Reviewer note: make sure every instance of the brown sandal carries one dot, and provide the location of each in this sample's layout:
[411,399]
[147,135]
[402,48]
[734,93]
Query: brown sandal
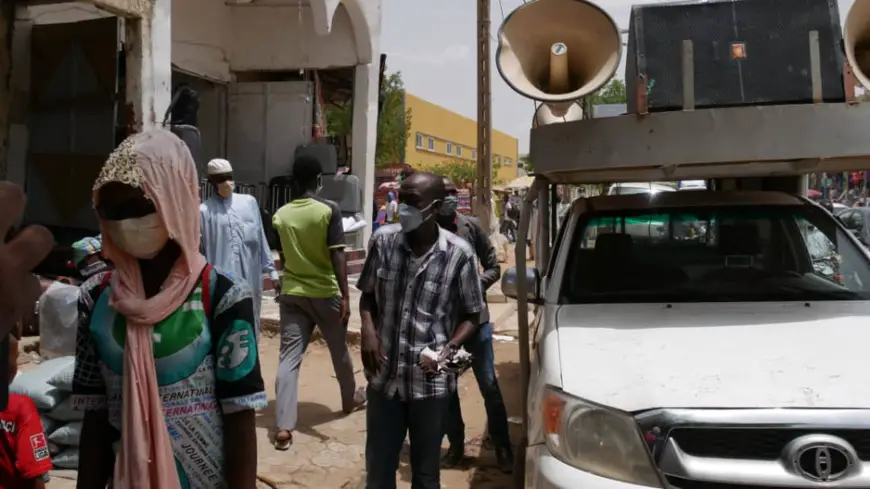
[283,445]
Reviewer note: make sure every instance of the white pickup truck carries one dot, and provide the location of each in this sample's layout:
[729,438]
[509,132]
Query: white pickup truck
[711,339]
[671,360]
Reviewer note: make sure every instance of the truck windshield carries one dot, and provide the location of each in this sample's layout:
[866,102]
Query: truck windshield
[713,254]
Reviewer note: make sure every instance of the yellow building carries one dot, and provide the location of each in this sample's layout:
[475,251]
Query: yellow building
[438,134]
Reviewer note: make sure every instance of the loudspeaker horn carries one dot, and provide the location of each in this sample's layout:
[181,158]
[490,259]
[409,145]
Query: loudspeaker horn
[545,115]
[856,38]
[556,52]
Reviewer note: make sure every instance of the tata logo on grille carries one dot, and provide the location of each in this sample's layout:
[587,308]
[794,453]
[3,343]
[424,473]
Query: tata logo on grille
[823,462]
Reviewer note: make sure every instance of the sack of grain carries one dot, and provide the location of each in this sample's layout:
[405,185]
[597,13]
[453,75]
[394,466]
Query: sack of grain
[65,411]
[68,434]
[67,459]
[34,383]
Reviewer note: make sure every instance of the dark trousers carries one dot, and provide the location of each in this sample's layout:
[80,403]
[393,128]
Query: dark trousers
[387,422]
[483,366]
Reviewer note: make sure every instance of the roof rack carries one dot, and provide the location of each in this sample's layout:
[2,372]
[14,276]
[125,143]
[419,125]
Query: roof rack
[701,143]
[706,143]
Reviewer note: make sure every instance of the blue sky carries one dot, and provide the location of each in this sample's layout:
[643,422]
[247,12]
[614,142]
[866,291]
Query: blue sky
[432,42]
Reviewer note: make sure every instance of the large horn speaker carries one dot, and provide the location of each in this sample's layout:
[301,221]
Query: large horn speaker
[856,37]
[557,51]
[545,114]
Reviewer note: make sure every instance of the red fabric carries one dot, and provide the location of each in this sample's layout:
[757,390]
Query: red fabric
[206,290]
[21,426]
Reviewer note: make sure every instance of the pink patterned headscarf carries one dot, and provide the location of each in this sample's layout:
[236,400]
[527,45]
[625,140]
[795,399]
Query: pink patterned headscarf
[161,165]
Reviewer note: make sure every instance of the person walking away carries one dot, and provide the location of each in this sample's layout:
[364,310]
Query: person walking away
[233,237]
[420,289]
[166,368]
[314,293]
[479,345]
[24,458]
[392,208]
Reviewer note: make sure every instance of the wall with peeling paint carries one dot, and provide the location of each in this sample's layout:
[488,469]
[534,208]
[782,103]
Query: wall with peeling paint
[212,39]
[7,19]
[276,38]
[201,34]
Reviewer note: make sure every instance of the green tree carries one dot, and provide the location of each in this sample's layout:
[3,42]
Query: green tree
[394,122]
[612,93]
[461,172]
[526,164]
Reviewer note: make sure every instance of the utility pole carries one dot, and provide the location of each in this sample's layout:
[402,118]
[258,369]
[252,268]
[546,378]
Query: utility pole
[483,185]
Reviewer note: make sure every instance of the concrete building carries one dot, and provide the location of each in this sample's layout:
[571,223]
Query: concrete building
[79,76]
[438,134]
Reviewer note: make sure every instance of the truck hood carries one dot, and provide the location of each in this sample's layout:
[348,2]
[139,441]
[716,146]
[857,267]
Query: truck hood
[736,355]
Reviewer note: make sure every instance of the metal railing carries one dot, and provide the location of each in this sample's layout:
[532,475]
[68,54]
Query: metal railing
[268,197]
[271,198]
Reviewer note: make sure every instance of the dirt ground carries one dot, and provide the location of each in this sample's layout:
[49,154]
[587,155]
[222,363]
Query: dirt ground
[321,424]
[328,450]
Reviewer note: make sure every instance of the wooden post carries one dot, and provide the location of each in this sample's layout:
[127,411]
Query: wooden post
[816,67]
[688,75]
[7,21]
[483,193]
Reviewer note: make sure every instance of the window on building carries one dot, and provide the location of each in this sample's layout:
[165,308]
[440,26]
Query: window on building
[419,140]
[458,150]
[507,162]
[449,148]
[432,144]
[496,160]
[473,154]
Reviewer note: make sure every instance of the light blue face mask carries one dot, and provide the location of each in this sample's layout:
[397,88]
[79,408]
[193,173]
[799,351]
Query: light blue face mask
[411,218]
[448,208]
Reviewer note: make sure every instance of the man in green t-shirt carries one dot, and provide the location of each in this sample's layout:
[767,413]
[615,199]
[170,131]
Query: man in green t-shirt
[313,293]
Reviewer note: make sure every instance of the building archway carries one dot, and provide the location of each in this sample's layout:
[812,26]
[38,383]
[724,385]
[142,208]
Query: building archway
[364,17]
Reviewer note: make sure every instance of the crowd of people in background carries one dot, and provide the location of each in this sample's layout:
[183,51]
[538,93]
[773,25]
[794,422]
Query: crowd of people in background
[167,366]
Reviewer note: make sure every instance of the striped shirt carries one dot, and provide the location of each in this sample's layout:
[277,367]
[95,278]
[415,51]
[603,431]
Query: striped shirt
[419,300]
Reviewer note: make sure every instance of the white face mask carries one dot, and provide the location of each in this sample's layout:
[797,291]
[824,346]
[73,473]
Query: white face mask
[225,189]
[140,237]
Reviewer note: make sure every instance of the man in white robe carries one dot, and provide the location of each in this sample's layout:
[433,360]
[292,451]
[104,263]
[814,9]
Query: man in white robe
[233,238]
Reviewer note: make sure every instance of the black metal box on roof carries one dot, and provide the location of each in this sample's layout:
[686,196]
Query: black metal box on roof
[744,52]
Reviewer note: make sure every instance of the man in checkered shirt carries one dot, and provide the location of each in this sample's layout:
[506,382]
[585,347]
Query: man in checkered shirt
[421,288]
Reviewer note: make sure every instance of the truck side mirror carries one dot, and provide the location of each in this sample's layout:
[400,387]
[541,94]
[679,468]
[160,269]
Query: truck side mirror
[509,284]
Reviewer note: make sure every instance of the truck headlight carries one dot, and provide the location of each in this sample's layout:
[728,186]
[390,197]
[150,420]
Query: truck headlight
[596,439]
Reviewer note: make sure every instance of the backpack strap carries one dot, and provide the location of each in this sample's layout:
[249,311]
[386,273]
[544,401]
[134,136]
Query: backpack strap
[105,281]
[206,290]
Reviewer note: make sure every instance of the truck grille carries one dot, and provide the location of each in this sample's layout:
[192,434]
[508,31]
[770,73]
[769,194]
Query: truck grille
[757,443]
[679,483]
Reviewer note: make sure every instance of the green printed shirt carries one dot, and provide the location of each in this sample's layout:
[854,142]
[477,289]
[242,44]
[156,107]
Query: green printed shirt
[309,229]
[207,366]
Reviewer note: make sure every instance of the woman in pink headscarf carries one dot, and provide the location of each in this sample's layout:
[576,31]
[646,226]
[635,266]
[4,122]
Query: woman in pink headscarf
[166,357]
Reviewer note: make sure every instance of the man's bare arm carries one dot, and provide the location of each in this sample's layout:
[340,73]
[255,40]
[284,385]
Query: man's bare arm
[240,444]
[96,458]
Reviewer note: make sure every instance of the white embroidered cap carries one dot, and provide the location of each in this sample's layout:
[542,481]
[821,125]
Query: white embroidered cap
[219,166]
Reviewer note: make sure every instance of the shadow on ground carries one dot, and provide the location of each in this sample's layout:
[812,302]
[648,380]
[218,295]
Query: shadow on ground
[484,473]
[310,416]
[480,470]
